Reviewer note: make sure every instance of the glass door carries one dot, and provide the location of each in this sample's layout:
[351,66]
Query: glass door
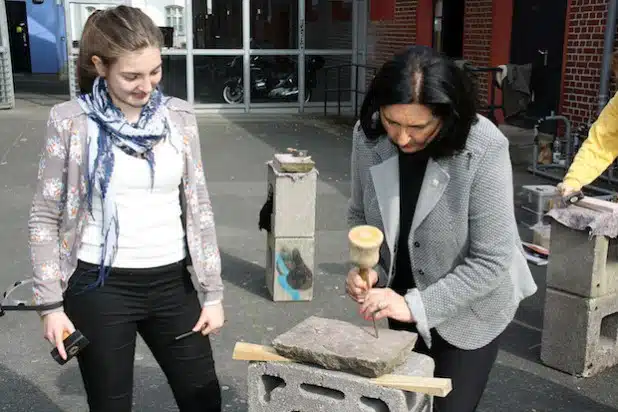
[274,36]
[330,40]
[218,54]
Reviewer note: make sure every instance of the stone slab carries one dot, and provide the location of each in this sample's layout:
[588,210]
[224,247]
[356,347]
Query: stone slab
[580,335]
[343,346]
[581,264]
[290,272]
[288,386]
[294,202]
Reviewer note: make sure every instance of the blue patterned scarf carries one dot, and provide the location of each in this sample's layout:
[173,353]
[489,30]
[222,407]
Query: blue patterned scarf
[108,128]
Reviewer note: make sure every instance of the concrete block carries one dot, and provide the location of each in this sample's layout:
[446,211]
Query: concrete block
[290,268]
[580,264]
[295,387]
[580,335]
[294,202]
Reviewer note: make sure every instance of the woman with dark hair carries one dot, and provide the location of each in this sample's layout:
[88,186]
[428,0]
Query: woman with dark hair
[436,178]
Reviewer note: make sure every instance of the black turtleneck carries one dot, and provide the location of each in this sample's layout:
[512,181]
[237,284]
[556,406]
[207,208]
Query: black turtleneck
[411,173]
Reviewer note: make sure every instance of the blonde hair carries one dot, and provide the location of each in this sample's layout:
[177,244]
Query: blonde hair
[111,33]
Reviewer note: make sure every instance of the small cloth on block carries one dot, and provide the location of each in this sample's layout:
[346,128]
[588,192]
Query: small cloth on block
[597,223]
[342,346]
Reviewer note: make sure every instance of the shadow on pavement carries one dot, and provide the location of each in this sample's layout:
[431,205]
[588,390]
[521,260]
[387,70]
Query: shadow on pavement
[245,275]
[339,269]
[19,394]
[522,342]
[528,392]
[151,391]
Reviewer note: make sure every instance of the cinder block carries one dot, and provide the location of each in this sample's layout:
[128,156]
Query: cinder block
[580,264]
[295,387]
[294,202]
[290,268]
[580,335]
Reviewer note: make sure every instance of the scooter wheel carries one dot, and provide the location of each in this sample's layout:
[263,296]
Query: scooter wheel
[230,97]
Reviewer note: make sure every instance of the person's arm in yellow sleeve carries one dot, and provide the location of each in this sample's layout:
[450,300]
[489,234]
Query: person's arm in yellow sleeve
[597,152]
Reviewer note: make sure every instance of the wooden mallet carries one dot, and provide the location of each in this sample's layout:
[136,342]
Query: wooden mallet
[365,242]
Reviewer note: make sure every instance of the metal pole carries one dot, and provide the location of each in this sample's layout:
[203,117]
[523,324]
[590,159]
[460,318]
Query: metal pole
[190,69]
[246,40]
[301,56]
[608,47]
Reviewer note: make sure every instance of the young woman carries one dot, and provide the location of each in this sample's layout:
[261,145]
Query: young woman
[436,178]
[120,214]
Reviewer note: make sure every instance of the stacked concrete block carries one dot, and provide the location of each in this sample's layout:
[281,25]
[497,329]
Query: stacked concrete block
[295,387]
[291,241]
[581,306]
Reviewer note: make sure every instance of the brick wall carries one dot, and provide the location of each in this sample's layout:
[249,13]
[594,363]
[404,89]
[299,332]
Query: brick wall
[385,38]
[583,59]
[477,40]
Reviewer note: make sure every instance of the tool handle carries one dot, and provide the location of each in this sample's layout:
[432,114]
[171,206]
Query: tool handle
[364,274]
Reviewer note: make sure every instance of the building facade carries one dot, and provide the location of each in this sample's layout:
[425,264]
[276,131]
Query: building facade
[562,39]
[244,55]
[300,55]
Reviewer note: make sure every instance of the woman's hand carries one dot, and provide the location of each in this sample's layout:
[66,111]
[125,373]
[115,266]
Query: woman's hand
[386,303]
[356,287]
[55,325]
[211,319]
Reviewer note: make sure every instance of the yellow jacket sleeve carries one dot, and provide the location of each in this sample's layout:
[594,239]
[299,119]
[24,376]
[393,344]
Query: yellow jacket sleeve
[598,151]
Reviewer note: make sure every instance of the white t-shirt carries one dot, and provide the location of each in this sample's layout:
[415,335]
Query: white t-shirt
[150,226]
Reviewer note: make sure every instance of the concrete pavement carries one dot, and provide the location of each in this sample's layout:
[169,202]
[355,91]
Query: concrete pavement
[234,150]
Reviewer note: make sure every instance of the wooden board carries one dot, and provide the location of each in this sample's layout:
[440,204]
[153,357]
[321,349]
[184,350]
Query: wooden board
[598,204]
[428,385]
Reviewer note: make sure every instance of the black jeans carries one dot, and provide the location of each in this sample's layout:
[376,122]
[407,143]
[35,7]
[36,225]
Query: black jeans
[159,303]
[467,369]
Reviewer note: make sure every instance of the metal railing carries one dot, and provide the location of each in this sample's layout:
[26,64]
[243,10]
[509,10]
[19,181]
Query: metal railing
[7,92]
[491,105]
[489,108]
[339,89]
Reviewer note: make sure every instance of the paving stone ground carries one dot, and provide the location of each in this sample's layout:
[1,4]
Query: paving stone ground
[235,149]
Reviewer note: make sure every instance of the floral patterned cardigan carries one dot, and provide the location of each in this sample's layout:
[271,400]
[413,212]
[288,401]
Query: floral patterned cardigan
[58,211]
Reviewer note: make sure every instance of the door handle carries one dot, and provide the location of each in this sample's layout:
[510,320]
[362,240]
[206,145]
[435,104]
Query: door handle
[544,53]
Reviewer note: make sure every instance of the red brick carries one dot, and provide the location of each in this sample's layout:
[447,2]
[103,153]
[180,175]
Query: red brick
[583,58]
[385,38]
[582,64]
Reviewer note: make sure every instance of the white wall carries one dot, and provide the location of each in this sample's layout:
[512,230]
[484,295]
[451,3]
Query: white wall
[155,9]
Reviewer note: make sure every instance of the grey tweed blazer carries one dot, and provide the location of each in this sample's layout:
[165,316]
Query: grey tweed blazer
[466,254]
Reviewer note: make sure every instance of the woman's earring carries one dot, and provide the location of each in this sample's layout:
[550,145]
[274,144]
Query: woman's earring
[374,119]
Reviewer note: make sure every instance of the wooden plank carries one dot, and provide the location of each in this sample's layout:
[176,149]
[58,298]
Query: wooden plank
[428,385]
[252,352]
[598,205]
